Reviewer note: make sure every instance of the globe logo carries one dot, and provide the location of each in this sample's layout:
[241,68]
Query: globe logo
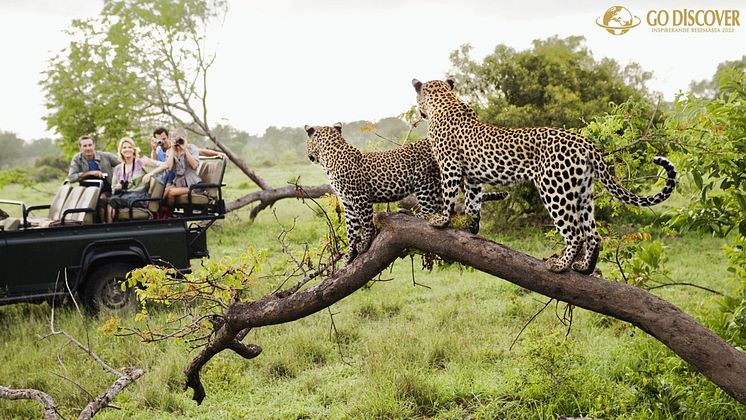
[617,20]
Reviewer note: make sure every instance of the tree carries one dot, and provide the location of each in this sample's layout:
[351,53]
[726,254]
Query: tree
[139,64]
[234,311]
[710,89]
[556,83]
[12,148]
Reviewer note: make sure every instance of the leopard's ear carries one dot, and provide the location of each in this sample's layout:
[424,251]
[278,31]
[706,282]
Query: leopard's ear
[338,126]
[451,81]
[310,130]
[417,85]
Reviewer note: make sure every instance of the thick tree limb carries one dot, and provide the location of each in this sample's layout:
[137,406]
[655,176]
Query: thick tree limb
[268,197]
[50,410]
[102,401]
[708,353]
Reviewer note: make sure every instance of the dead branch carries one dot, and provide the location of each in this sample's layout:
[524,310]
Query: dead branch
[50,409]
[267,197]
[124,376]
[708,353]
[102,401]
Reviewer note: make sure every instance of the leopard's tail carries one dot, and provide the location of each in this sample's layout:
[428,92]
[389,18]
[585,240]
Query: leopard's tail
[611,184]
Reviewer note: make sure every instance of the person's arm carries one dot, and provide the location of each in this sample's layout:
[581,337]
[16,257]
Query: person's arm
[211,153]
[118,186]
[153,147]
[192,161]
[169,159]
[150,163]
[74,173]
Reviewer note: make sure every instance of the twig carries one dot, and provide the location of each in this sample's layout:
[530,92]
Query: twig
[527,324]
[618,262]
[414,282]
[387,139]
[333,331]
[685,284]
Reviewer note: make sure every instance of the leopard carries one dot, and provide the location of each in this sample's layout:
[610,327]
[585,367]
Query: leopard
[362,179]
[560,163]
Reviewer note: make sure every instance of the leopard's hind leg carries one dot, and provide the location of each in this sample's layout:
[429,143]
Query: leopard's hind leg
[585,261]
[473,203]
[430,198]
[560,199]
[359,225]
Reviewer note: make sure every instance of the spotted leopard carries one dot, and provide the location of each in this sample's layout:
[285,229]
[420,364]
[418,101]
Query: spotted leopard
[561,164]
[361,179]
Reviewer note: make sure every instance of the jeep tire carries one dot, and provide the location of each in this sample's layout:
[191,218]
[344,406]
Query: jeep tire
[103,290]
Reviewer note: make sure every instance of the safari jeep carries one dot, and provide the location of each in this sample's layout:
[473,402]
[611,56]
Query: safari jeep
[66,252]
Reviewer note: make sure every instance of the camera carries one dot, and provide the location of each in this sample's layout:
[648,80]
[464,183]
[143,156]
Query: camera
[159,142]
[124,183]
[180,141]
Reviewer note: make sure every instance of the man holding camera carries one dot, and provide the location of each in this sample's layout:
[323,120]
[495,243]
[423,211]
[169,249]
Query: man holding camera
[160,144]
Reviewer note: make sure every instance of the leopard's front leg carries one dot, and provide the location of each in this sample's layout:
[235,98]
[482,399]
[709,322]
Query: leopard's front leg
[352,225]
[450,180]
[359,224]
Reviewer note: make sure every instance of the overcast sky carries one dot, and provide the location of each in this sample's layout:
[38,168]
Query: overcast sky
[290,63]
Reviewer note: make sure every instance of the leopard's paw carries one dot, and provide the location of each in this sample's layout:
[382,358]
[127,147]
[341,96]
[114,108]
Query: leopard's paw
[555,265]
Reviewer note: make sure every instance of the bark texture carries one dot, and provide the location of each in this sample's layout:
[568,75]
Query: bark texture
[268,197]
[708,353]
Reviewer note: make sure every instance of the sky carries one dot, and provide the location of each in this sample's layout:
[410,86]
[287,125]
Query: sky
[317,62]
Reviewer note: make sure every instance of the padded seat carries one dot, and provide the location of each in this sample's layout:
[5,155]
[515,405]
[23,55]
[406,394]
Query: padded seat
[207,194]
[10,223]
[70,202]
[55,209]
[88,201]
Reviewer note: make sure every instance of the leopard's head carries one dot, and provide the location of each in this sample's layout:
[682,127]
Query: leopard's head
[322,139]
[432,94]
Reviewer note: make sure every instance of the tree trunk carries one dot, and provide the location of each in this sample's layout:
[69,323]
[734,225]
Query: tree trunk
[708,353]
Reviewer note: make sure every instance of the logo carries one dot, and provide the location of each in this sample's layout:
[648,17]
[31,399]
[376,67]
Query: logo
[617,20]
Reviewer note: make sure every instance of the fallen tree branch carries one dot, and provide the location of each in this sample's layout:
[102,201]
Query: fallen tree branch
[708,353]
[124,376]
[102,401]
[50,410]
[268,197]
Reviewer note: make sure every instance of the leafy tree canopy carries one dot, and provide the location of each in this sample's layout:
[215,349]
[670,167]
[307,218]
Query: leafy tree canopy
[711,88]
[113,79]
[555,83]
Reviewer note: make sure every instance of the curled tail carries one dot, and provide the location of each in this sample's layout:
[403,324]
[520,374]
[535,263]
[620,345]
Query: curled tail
[611,184]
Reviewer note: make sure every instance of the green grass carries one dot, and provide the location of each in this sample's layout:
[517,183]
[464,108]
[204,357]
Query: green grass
[400,351]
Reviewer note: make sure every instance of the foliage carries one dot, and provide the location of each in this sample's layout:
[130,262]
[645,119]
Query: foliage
[733,306]
[18,152]
[204,294]
[45,169]
[556,83]
[207,293]
[399,351]
[716,161]
[124,68]
[711,89]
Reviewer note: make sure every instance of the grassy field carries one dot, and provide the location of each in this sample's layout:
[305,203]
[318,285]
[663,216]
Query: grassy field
[400,350]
